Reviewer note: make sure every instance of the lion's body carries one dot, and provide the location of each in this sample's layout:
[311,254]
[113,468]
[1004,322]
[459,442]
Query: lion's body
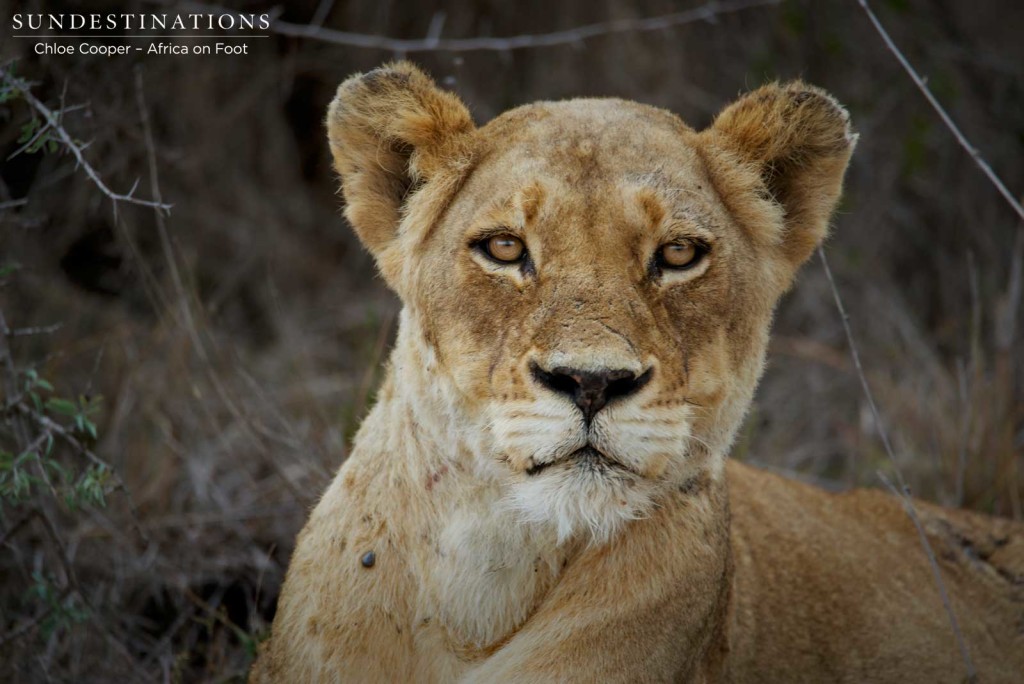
[826,587]
[541,491]
[838,588]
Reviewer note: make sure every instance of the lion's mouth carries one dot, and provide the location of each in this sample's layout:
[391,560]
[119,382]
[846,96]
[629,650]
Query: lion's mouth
[587,458]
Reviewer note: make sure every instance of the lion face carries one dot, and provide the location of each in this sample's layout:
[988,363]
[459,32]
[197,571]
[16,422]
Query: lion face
[588,284]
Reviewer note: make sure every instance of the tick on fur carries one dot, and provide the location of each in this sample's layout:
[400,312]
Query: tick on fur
[368,559]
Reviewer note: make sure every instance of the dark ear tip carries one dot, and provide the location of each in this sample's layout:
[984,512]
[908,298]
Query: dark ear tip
[821,107]
[392,76]
[361,88]
[380,79]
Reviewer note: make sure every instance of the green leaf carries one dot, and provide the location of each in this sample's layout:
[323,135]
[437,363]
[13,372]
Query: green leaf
[28,129]
[21,485]
[61,406]
[91,489]
[56,468]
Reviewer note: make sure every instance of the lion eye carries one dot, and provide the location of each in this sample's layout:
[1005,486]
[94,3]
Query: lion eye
[505,249]
[680,255]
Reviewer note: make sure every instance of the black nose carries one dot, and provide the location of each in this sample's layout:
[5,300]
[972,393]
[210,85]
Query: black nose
[590,390]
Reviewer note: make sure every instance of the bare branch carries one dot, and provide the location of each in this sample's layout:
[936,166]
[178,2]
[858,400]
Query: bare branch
[903,492]
[53,122]
[29,625]
[12,204]
[946,119]
[38,330]
[161,224]
[322,10]
[10,382]
[16,527]
[908,505]
[250,426]
[1006,315]
[433,43]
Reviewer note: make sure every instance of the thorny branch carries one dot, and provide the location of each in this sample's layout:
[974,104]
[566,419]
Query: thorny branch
[922,85]
[53,122]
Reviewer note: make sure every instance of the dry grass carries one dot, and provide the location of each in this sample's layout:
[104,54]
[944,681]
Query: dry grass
[232,389]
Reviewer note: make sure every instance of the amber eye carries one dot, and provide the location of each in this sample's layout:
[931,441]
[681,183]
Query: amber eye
[505,249]
[681,255]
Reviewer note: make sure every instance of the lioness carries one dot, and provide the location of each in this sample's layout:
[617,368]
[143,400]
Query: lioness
[541,493]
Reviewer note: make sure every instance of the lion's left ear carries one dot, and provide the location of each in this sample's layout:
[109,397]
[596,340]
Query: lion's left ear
[799,142]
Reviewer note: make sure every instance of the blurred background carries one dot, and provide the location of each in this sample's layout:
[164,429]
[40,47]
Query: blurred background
[179,387]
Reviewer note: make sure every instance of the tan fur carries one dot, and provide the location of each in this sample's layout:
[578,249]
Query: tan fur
[630,567]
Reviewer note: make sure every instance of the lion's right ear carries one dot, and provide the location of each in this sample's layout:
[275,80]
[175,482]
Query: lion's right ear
[390,130]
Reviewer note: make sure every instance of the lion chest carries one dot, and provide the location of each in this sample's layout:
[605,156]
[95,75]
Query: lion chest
[484,575]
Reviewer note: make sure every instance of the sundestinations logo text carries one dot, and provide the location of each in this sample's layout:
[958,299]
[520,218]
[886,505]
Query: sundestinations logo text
[140,22]
[119,34]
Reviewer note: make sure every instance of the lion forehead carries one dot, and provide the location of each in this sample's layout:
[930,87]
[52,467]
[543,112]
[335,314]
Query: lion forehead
[572,169]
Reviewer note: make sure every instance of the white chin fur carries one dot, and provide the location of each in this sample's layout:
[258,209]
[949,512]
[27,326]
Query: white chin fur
[579,500]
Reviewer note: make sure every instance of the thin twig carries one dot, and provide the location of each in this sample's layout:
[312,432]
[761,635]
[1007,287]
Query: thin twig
[31,141]
[57,429]
[1009,308]
[29,625]
[42,131]
[972,675]
[184,301]
[44,436]
[903,492]
[966,409]
[70,580]
[707,12]
[10,382]
[13,204]
[74,585]
[37,330]
[161,225]
[946,119]
[26,519]
[75,148]
[322,10]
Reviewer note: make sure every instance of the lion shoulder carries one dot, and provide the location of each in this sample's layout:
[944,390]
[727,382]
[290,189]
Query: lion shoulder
[351,556]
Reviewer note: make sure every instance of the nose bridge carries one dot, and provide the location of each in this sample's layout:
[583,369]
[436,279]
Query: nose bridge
[593,325]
